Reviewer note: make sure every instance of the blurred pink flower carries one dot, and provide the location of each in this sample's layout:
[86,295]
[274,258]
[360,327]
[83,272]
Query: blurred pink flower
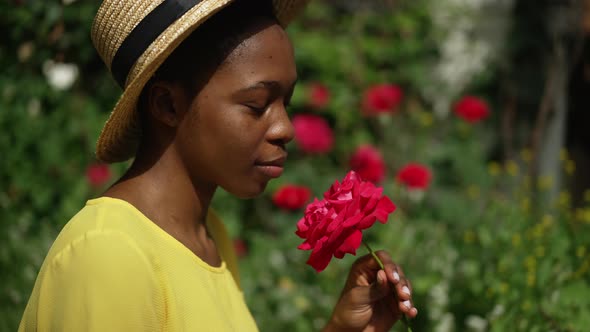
[415,176]
[98,174]
[291,197]
[382,98]
[472,109]
[368,163]
[312,133]
[318,95]
[240,247]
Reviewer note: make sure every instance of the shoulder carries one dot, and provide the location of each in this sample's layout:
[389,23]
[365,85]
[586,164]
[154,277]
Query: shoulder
[105,229]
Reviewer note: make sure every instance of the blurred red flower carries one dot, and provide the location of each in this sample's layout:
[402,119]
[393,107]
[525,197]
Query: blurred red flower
[333,226]
[312,133]
[415,176]
[240,247]
[98,174]
[291,197]
[368,163]
[318,95]
[472,109]
[382,98]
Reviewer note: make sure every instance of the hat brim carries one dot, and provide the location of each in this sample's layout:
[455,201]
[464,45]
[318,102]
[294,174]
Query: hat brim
[119,138]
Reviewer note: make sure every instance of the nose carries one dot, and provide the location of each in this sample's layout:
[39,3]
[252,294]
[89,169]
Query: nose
[281,130]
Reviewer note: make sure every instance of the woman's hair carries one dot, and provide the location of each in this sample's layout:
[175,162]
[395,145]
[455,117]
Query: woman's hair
[207,48]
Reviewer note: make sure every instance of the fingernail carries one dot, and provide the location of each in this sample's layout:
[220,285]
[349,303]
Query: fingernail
[406,290]
[408,304]
[395,276]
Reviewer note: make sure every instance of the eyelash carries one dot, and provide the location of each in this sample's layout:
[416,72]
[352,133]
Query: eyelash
[260,110]
[257,110]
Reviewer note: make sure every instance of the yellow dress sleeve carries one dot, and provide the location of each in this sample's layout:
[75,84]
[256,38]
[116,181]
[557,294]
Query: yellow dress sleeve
[99,282]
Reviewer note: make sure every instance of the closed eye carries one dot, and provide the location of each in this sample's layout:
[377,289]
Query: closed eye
[257,109]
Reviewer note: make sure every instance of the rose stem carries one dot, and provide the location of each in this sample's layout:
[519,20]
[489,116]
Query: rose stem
[404,318]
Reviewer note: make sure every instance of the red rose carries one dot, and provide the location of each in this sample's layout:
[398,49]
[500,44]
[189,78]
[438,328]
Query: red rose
[415,176]
[472,109]
[291,197]
[382,98]
[98,174]
[368,163]
[312,133]
[333,226]
[319,95]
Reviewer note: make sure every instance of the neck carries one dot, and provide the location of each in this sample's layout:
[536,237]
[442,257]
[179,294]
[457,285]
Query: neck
[162,189]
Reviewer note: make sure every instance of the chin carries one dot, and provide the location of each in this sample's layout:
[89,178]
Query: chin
[248,192]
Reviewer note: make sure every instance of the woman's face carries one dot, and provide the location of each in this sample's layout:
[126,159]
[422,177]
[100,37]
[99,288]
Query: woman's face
[236,127]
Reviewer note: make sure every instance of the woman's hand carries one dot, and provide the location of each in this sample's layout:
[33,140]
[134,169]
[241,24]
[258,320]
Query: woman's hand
[368,302]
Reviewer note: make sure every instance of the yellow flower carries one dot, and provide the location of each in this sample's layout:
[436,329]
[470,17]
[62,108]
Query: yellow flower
[511,168]
[301,302]
[469,236]
[570,167]
[545,182]
[540,251]
[526,155]
[583,215]
[531,279]
[503,288]
[425,119]
[583,269]
[563,155]
[473,192]
[516,240]
[525,204]
[286,284]
[530,262]
[547,220]
[526,305]
[563,201]
[580,251]
[494,169]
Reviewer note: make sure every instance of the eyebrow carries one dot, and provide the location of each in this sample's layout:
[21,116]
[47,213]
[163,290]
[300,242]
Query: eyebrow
[271,85]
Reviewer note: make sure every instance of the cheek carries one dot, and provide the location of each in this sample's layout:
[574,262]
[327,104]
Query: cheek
[236,137]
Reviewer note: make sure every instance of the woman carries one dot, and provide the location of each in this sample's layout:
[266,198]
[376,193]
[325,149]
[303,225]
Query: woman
[206,86]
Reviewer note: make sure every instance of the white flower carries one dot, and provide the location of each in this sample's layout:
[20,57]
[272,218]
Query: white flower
[25,50]
[496,312]
[476,323]
[277,259]
[470,36]
[34,107]
[60,76]
[68,2]
[446,323]
[416,195]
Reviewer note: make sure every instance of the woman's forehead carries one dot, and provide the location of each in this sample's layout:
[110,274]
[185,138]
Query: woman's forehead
[265,55]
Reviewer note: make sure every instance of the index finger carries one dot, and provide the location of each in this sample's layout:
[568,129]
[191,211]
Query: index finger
[393,272]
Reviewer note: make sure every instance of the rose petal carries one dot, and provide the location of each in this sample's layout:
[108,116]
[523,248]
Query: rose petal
[350,245]
[319,258]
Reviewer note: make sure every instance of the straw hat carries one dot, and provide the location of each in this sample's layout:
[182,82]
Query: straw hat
[133,38]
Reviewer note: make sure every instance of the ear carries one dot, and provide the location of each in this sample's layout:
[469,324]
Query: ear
[166,103]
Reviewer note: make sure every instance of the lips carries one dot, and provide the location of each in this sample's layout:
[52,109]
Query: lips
[272,168]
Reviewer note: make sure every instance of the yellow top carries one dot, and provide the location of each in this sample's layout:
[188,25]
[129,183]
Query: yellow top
[112,269]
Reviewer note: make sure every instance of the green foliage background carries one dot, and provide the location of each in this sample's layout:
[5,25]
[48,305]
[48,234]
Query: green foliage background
[476,246]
